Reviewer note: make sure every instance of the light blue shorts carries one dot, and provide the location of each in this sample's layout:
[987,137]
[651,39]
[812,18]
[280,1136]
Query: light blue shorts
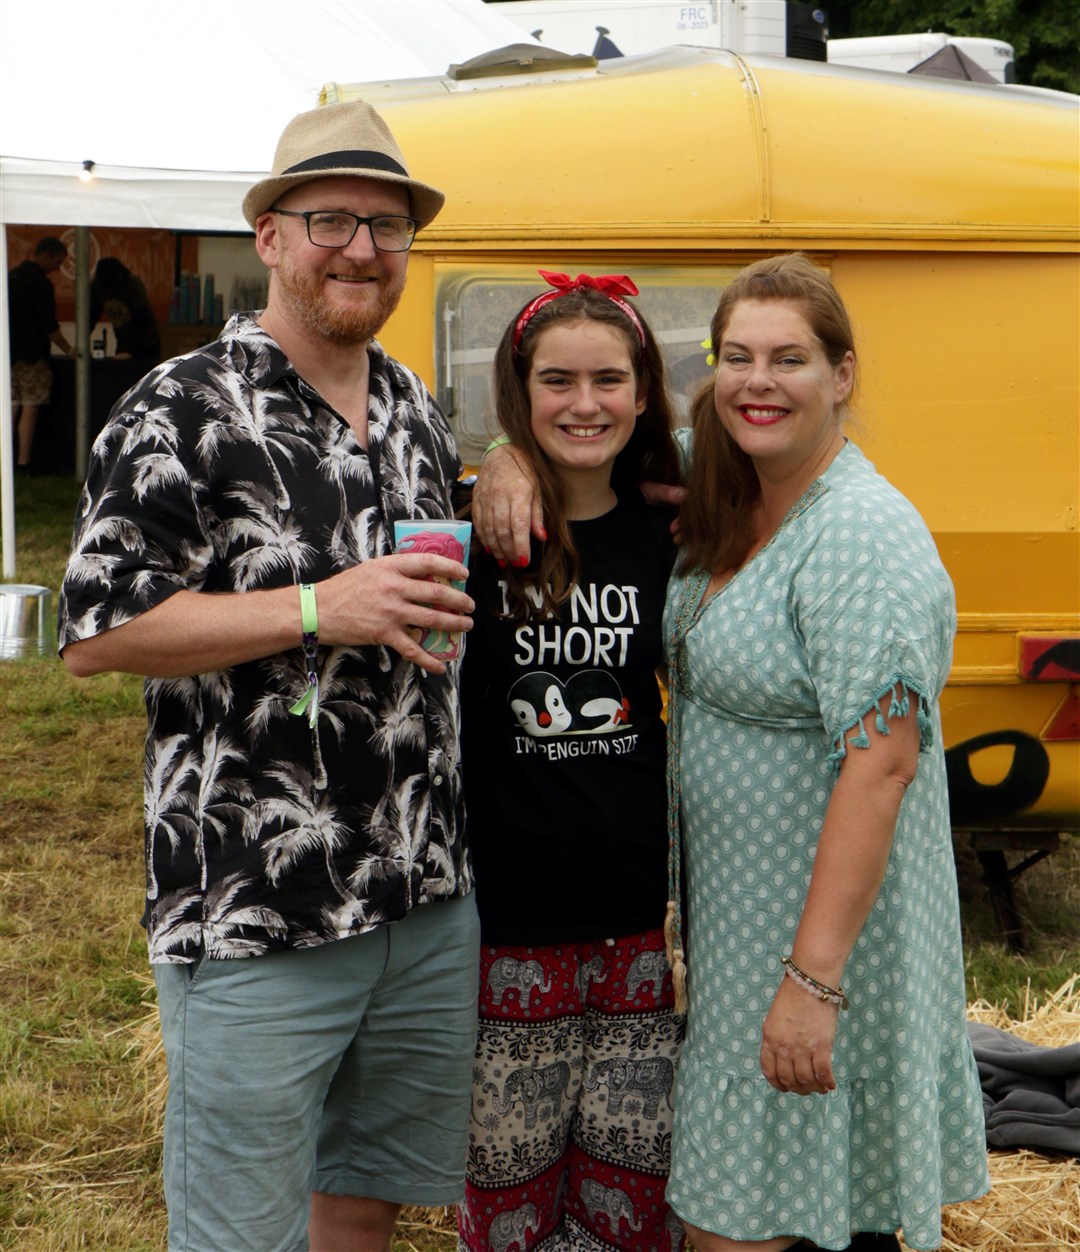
[344,1068]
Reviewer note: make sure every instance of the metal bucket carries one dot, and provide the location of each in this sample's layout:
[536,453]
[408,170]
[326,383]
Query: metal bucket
[26,623]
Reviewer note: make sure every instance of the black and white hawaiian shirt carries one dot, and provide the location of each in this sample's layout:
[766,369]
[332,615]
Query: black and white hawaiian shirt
[224,471]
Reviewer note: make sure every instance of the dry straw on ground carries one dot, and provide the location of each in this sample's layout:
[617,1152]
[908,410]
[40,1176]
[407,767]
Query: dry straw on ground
[1033,1204]
[1034,1201]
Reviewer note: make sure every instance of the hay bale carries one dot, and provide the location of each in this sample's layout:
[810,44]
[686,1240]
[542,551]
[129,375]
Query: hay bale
[428,1224]
[148,1053]
[1034,1200]
[1053,1024]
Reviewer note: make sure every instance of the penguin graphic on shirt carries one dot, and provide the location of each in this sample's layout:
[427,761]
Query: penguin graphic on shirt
[591,702]
[596,702]
[538,702]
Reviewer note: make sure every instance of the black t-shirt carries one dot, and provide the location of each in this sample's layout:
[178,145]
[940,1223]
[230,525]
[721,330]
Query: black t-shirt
[563,745]
[31,312]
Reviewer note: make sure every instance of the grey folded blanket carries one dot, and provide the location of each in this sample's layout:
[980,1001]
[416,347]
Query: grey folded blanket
[1031,1095]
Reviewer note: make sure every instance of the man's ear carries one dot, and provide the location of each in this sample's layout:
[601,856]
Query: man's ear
[266,239]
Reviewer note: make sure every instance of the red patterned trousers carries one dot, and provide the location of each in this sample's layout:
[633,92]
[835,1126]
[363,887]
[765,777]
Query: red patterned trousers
[570,1135]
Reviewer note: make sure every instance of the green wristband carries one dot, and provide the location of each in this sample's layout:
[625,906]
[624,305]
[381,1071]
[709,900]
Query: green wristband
[499,442]
[308,704]
[309,613]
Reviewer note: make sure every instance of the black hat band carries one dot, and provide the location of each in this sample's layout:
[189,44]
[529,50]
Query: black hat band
[348,160]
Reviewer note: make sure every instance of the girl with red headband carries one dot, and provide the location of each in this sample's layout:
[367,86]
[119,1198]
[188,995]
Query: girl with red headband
[564,758]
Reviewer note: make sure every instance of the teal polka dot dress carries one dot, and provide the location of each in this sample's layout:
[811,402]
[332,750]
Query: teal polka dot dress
[847,603]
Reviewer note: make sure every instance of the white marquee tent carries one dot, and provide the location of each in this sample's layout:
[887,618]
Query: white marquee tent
[179,106]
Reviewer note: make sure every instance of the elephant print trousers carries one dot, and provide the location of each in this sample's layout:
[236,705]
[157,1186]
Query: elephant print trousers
[570,1132]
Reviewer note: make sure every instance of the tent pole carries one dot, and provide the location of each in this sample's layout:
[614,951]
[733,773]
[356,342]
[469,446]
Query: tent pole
[82,351]
[7,483]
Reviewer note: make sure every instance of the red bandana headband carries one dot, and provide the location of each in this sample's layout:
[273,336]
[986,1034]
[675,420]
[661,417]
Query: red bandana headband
[613,286]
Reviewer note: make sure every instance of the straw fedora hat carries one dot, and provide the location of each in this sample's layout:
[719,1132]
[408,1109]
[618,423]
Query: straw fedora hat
[348,139]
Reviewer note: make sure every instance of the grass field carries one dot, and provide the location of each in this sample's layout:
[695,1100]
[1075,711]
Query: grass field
[79,1104]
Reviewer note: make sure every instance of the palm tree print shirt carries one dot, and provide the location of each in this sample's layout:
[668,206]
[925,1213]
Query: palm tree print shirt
[224,471]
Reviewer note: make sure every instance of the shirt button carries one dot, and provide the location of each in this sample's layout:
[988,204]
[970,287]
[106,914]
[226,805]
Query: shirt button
[437,780]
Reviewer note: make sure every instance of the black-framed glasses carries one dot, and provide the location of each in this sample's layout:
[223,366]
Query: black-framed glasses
[326,229]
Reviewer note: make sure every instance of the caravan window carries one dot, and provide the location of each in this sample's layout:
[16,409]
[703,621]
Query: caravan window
[473,305]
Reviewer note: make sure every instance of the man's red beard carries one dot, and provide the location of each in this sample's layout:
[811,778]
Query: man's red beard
[303,293]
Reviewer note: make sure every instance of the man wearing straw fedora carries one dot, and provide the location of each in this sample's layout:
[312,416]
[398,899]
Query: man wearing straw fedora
[309,909]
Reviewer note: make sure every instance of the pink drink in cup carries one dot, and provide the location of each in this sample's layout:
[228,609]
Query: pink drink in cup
[443,538]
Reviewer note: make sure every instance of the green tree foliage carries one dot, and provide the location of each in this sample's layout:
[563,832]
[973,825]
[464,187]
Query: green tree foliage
[1045,33]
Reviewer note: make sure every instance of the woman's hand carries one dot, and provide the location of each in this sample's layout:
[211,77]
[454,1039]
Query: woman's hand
[797,1040]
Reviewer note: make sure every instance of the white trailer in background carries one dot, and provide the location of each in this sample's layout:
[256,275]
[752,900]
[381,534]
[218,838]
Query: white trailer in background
[902,53]
[607,28]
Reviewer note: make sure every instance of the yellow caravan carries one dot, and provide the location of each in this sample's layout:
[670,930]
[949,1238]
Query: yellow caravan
[947,214]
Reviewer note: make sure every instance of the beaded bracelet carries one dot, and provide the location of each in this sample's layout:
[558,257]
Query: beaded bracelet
[309,624]
[817,989]
[498,442]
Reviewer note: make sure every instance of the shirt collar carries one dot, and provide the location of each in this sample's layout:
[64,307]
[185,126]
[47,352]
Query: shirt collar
[262,362]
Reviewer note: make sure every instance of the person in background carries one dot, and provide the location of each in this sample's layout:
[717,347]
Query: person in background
[33,327]
[827,1089]
[563,753]
[119,297]
[310,914]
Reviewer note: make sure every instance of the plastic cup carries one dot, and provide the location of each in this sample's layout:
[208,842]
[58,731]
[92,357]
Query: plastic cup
[444,537]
